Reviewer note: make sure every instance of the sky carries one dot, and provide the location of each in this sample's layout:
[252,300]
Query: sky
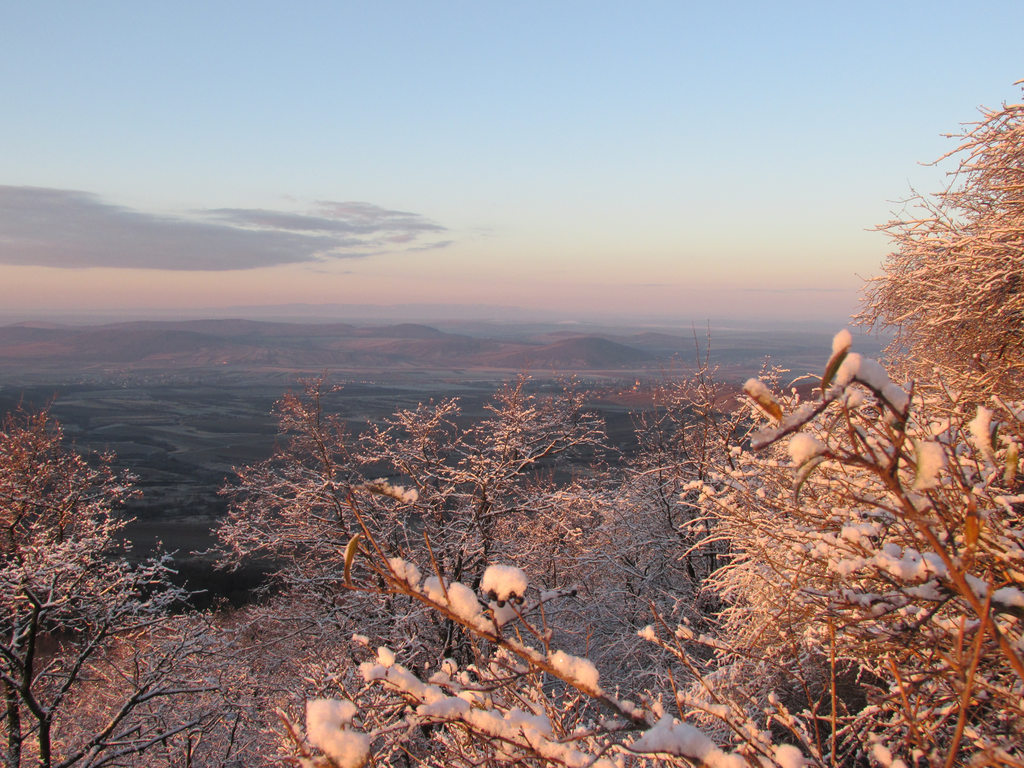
[567,159]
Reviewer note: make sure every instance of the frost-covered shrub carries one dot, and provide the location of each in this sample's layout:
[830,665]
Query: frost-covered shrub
[877,584]
[650,546]
[94,669]
[520,701]
[474,491]
[951,289]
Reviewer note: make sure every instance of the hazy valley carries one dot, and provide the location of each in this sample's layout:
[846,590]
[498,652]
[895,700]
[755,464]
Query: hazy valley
[183,403]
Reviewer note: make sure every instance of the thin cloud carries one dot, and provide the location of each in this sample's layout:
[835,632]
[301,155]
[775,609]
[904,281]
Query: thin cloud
[73,229]
[430,246]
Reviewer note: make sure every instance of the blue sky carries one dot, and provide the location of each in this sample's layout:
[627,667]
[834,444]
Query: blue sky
[680,159]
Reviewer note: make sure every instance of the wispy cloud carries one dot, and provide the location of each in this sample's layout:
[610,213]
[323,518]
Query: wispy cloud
[73,229]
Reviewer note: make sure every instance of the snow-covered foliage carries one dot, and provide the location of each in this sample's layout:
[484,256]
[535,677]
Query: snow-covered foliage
[951,288]
[93,669]
[518,700]
[428,489]
[867,582]
[650,545]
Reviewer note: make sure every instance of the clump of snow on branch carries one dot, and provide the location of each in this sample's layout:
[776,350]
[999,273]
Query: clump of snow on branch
[669,736]
[841,342]
[457,596]
[503,582]
[874,376]
[382,487]
[931,460]
[328,729]
[580,672]
[761,395]
[803,447]
[981,432]
[405,571]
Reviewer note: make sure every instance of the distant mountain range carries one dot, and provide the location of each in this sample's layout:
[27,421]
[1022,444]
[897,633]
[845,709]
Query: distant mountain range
[204,345]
